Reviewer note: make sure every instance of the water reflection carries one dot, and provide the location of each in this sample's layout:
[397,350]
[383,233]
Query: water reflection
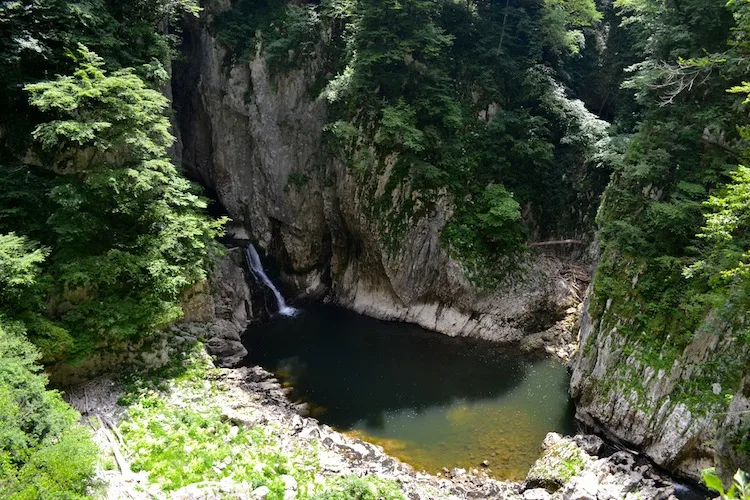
[430,399]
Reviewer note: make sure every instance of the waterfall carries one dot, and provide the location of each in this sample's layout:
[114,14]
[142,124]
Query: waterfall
[253,261]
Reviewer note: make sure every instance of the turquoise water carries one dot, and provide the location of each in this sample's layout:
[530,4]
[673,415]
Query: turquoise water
[431,400]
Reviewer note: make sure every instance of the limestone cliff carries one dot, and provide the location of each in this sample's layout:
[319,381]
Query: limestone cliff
[675,411]
[219,311]
[258,142]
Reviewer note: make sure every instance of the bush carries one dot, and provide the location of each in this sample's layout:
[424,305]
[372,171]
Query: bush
[129,235]
[44,453]
[361,488]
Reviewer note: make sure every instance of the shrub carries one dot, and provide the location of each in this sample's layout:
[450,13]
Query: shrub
[44,453]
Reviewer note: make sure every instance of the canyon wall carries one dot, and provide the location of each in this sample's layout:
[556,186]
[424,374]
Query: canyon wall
[258,142]
[685,412]
[257,137]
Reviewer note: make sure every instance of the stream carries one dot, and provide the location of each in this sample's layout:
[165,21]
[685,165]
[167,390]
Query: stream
[431,400]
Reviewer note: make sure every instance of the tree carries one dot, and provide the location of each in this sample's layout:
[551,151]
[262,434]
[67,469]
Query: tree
[129,234]
[44,453]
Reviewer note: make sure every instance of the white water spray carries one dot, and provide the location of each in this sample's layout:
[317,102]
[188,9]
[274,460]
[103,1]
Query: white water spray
[253,260]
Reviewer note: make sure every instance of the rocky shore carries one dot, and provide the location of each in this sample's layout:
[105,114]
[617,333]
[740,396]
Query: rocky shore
[250,398]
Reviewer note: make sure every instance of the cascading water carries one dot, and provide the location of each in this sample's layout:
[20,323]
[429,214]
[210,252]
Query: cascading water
[253,261]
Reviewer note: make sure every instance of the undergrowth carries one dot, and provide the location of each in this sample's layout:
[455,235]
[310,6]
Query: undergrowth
[177,432]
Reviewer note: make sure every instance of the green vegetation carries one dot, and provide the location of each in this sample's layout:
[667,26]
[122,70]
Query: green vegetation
[286,32]
[178,432]
[464,98]
[179,446]
[473,102]
[116,233]
[357,488]
[740,488]
[99,233]
[128,234]
[297,180]
[674,218]
[43,452]
[558,464]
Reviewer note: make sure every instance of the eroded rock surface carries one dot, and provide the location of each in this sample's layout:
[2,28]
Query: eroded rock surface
[620,393]
[257,141]
[219,311]
[570,470]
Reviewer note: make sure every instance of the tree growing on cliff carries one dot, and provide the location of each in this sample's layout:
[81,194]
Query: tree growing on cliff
[128,232]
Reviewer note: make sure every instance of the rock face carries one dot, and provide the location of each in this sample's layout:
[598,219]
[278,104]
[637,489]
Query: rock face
[221,310]
[675,415]
[570,470]
[216,311]
[257,141]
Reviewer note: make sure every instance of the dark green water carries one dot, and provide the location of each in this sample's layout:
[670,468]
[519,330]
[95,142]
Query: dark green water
[429,399]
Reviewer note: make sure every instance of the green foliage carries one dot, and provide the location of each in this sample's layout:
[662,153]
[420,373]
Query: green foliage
[437,84]
[433,86]
[398,128]
[43,452]
[178,445]
[19,271]
[286,32]
[669,274]
[361,488]
[297,180]
[128,234]
[561,21]
[492,226]
[740,488]
[499,220]
[22,291]
[726,230]
[39,35]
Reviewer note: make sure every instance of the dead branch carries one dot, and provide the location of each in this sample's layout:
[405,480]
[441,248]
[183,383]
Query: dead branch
[557,242]
[115,446]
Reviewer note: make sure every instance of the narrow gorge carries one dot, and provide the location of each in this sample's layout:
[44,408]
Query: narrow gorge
[263,144]
[333,249]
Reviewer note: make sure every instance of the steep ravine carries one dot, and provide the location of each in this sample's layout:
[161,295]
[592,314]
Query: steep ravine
[257,142]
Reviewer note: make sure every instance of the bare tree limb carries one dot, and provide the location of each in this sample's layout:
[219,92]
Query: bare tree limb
[557,242]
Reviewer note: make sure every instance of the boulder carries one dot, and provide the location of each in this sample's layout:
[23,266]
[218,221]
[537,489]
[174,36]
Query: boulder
[561,460]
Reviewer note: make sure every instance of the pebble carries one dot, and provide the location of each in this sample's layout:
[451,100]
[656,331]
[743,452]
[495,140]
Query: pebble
[261,493]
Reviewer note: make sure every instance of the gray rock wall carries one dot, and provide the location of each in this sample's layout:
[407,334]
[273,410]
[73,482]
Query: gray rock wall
[220,310]
[257,141]
[677,415]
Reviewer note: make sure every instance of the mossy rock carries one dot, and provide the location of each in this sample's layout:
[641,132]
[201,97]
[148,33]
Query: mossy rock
[560,461]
